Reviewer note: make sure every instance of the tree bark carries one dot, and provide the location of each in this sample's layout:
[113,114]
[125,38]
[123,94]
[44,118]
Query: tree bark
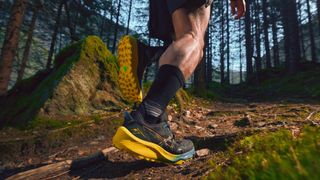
[258,40]
[266,32]
[303,53]
[228,45]
[276,58]
[71,27]
[129,16]
[29,41]
[11,43]
[249,45]
[209,59]
[56,170]
[54,35]
[116,28]
[291,34]
[311,33]
[240,53]
[318,12]
[222,45]
[110,25]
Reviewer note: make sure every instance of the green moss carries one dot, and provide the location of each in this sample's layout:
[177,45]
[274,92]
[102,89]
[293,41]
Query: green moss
[42,122]
[27,98]
[275,155]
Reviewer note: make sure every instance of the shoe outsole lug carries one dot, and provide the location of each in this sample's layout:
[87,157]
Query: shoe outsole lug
[128,60]
[124,140]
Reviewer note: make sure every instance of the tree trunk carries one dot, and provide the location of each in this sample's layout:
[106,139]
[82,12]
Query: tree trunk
[11,43]
[249,45]
[318,12]
[311,33]
[291,34]
[222,67]
[129,16]
[29,41]
[110,25]
[240,53]
[301,32]
[276,58]
[71,27]
[209,59]
[266,32]
[54,35]
[116,28]
[258,40]
[228,45]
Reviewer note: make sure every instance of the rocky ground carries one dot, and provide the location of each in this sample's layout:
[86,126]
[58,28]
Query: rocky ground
[213,126]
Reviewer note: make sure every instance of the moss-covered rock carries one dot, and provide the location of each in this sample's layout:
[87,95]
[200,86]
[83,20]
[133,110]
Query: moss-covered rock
[82,82]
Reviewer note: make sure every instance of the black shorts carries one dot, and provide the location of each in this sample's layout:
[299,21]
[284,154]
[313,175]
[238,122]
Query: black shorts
[160,21]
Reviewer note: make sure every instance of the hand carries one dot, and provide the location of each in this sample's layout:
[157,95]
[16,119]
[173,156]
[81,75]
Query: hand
[238,8]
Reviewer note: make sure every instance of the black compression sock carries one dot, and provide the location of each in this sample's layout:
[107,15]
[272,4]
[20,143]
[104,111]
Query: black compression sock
[168,81]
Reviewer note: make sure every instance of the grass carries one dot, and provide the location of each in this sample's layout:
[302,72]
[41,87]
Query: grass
[276,155]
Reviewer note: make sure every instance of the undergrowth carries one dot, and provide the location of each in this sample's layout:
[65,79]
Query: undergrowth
[276,155]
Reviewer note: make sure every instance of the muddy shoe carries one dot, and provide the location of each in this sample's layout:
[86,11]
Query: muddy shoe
[133,59]
[152,142]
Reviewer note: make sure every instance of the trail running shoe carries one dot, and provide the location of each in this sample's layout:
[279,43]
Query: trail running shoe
[133,59]
[152,142]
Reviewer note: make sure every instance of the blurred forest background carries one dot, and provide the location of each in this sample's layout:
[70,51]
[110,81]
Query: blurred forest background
[252,105]
[274,34]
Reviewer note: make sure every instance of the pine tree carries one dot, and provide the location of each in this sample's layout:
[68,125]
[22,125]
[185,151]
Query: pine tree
[10,44]
[249,44]
[313,47]
[54,34]
[36,8]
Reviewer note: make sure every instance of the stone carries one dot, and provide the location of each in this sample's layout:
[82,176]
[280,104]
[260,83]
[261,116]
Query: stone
[202,152]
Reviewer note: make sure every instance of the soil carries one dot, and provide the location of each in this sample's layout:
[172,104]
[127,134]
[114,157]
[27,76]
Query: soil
[211,125]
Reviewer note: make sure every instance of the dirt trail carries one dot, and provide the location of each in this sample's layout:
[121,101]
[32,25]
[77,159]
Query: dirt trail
[210,125]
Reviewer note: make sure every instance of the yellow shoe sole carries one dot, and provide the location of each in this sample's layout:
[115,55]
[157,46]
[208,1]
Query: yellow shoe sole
[128,78]
[125,140]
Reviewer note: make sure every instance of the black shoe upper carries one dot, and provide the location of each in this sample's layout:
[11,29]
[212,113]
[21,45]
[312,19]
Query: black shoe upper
[159,133]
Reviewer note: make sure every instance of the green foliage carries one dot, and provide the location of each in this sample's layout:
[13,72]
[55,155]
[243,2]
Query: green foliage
[276,155]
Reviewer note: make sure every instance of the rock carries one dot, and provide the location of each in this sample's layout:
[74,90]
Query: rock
[187,114]
[212,126]
[244,122]
[202,152]
[82,81]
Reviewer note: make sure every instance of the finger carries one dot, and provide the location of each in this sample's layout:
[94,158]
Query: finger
[233,7]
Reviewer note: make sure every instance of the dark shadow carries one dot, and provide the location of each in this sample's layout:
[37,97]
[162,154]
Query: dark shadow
[216,143]
[110,170]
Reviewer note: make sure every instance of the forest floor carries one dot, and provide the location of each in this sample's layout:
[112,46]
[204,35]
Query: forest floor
[213,126]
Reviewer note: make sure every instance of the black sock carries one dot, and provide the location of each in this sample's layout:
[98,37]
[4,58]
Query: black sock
[168,81]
